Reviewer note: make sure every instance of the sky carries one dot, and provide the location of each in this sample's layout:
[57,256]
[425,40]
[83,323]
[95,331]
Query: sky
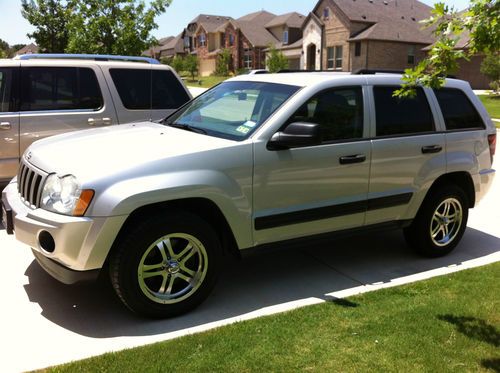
[13,27]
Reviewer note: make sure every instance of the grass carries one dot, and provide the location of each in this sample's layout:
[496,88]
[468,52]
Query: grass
[445,324]
[492,105]
[206,81]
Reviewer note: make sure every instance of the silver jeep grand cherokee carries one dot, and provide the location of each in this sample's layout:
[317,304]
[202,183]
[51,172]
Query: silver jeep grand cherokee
[255,161]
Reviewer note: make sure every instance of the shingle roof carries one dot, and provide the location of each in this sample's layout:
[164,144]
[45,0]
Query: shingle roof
[210,22]
[175,44]
[292,19]
[253,27]
[394,20]
[30,48]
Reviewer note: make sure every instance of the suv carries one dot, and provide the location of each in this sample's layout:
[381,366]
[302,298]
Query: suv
[44,95]
[255,161]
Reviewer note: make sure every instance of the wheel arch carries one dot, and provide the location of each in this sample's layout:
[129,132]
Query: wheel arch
[461,179]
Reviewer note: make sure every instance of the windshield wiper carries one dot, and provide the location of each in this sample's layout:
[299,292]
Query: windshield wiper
[187,127]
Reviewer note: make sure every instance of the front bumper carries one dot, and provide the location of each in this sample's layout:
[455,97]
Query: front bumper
[81,244]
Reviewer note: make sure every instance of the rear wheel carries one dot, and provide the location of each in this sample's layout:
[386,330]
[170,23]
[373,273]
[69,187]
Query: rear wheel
[440,222]
[166,266]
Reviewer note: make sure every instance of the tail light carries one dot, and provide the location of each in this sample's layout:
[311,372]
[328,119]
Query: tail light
[492,142]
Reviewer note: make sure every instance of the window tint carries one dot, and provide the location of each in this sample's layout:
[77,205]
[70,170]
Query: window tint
[458,111]
[134,87]
[168,92]
[5,90]
[59,88]
[339,112]
[396,116]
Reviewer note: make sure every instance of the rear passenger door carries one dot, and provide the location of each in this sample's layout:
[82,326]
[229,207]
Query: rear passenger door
[146,93]
[55,100]
[408,154]
[9,123]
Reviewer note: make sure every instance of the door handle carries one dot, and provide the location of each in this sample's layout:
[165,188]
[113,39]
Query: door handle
[431,149]
[5,126]
[99,121]
[356,158]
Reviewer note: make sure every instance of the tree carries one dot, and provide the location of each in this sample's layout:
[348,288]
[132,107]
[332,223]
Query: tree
[223,63]
[113,26]
[50,18]
[491,68]
[276,60]
[479,23]
[177,64]
[191,64]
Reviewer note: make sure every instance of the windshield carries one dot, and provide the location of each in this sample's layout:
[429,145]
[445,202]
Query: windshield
[232,110]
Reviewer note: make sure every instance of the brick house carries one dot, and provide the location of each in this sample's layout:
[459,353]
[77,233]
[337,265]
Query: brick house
[347,35]
[173,47]
[154,51]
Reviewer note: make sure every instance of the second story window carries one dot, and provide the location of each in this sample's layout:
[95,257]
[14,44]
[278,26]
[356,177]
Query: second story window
[186,42]
[326,13]
[202,40]
[285,37]
[411,55]
[231,40]
[357,49]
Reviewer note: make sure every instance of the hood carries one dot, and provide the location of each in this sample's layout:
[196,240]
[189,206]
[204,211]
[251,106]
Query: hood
[95,153]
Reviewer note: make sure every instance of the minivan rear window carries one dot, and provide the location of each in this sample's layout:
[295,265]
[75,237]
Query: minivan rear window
[5,89]
[458,111]
[141,89]
[59,88]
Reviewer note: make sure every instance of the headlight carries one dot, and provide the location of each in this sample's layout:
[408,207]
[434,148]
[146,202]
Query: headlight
[63,195]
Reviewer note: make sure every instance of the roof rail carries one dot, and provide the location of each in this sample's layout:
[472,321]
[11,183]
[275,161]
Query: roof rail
[287,71]
[375,71]
[94,57]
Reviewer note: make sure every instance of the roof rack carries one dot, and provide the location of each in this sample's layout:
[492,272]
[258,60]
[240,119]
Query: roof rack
[376,71]
[94,57]
[287,71]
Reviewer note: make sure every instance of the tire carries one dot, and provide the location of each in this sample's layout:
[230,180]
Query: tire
[440,223]
[166,266]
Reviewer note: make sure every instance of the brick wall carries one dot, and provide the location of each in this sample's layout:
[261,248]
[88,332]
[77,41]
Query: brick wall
[470,71]
[387,54]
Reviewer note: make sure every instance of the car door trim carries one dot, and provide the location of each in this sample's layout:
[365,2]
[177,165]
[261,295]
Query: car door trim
[332,211]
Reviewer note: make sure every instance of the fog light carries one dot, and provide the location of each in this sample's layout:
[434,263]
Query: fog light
[46,242]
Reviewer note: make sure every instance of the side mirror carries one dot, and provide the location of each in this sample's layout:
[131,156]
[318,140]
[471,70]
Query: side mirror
[296,135]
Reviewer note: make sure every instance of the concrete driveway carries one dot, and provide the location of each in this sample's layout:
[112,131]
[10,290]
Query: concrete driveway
[44,323]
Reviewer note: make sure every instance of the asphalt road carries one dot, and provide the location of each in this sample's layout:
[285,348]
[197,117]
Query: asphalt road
[44,323]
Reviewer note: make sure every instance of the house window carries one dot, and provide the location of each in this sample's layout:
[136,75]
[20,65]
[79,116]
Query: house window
[202,39]
[357,49]
[326,13]
[334,58]
[247,59]
[186,42]
[231,40]
[411,55]
[285,37]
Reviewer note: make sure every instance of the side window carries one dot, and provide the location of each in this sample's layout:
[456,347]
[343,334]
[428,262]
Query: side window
[5,90]
[458,111]
[396,116]
[168,92]
[59,88]
[339,112]
[134,87]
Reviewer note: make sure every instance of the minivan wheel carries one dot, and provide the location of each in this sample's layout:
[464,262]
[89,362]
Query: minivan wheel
[166,266]
[440,222]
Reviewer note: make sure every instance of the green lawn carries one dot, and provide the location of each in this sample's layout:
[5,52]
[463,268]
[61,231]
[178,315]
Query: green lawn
[445,324]
[492,104]
[206,82]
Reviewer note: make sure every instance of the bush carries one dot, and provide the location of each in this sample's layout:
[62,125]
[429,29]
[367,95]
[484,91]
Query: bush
[191,65]
[491,68]
[276,60]
[178,64]
[223,63]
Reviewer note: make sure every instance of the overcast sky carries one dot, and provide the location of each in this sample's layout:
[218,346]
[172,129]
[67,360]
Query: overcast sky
[13,27]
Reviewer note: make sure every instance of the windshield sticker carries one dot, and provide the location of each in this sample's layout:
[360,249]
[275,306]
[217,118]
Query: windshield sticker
[243,129]
[249,123]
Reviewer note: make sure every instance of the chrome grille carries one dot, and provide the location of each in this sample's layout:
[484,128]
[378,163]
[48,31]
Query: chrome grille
[29,184]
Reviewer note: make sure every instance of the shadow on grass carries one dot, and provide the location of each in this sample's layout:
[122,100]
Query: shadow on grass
[340,302]
[474,328]
[493,364]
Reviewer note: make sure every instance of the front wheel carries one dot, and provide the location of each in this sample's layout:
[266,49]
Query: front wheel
[166,266]
[440,222]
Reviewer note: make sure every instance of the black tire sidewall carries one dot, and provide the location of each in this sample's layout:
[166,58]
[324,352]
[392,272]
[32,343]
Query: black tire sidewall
[418,235]
[125,262]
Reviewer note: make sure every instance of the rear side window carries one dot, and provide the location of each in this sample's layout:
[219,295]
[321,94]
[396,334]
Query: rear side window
[59,88]
[458,111]
[145,89]
[168,92]
[397,116]
[6,89]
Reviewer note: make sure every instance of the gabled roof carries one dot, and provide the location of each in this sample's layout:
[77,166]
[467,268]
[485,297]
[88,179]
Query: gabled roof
[391,20]
[262,17]
[176,44]
[210,22]
[30,48]
[253,27]
[293,20]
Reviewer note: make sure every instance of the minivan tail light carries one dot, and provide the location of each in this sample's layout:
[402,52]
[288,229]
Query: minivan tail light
[492,141]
